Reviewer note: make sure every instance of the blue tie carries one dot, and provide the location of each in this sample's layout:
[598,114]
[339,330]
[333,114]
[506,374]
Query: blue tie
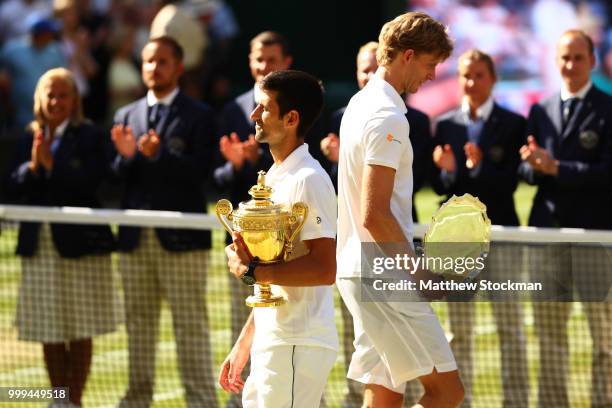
[568,110]
[158,112]
[474,128]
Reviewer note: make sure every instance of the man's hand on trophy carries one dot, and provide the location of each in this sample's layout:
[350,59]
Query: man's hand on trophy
[238,256]
[230,378]
[232,150]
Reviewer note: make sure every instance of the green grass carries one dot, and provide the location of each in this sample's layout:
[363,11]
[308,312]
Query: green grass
[21,362]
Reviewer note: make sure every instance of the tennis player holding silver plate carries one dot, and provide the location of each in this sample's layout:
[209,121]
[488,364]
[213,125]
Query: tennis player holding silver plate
[458,238]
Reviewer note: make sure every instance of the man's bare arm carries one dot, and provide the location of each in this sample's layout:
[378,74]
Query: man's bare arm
[377,218]
[376,192]
[248,331]
[316,268]
[230,375]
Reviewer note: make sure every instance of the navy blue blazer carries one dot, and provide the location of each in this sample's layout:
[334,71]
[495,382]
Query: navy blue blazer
[174,179]
[79,166]
[236,117]
[495,181]
[579,196]
[422,147]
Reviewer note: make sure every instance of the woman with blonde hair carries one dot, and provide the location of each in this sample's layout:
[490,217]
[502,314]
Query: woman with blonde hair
[66,292]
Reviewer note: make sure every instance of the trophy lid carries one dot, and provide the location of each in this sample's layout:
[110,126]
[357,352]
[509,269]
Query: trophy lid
[260,202]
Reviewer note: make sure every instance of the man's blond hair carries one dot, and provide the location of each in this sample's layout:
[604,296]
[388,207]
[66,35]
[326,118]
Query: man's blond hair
[62,74]
[416,31]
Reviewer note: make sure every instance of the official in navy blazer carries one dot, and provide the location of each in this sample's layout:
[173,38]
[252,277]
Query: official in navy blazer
[165,144]
[66,293]
[571,137]
[494,178]
[477,152]
[79,167]
[239,156]
[171,178]
[568,155]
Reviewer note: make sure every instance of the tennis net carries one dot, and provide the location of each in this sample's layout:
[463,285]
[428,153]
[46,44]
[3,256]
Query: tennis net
[511,350]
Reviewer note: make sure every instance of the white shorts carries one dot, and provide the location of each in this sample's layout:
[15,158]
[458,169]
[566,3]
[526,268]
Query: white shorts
[288,377]
[395,342]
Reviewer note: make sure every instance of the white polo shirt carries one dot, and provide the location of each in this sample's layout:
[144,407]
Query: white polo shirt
[307,319]
[374,130]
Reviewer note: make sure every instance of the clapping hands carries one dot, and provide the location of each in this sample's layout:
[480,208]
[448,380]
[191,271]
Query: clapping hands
[538,158]
[41,152]
[330,146]
[473,155]
[237,152]
[444,158]
[127,145]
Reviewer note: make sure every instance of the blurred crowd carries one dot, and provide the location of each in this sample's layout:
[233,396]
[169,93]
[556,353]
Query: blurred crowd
[100,42]
[520,36]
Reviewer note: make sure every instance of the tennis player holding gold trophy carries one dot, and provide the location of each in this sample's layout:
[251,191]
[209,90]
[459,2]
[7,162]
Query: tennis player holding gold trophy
[268,230]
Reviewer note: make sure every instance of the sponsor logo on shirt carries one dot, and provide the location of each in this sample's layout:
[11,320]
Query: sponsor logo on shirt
[390,139]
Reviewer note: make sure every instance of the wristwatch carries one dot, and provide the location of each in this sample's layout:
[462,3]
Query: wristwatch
[249,276]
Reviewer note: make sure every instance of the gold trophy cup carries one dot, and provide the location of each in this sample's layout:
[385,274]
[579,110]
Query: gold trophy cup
[268,230]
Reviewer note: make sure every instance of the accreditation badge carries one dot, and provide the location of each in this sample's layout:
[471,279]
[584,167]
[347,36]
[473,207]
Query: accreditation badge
[75,163]
[589,139]
[176,145]
[496,153]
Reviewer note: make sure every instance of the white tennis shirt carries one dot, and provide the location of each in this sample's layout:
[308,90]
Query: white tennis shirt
[307,318]
[374,130]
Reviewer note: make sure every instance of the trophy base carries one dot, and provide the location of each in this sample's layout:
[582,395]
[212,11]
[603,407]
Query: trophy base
[259,301]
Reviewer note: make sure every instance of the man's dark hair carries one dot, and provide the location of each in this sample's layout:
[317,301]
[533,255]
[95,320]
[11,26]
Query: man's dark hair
[299,91]
[177,50]
[272,38]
